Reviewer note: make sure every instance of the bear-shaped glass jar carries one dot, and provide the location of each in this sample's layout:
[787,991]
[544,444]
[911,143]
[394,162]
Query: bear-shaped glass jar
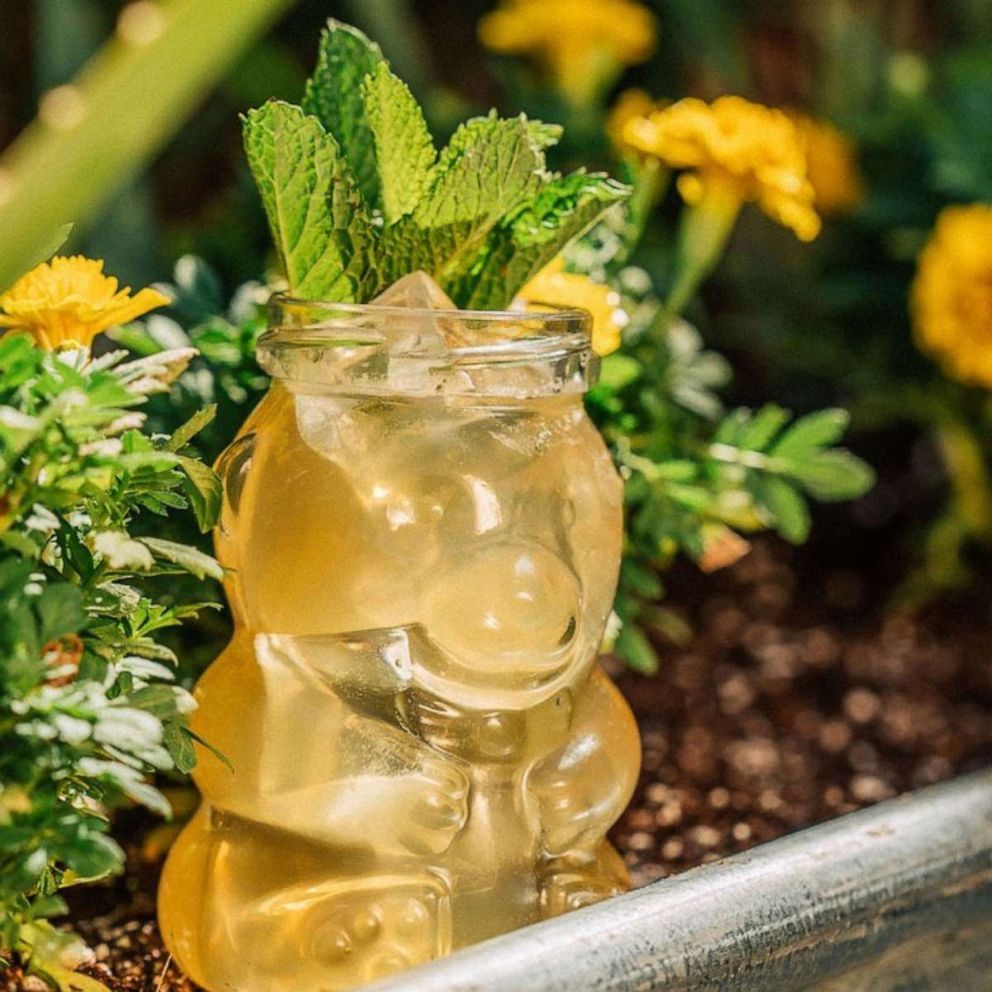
[422,532]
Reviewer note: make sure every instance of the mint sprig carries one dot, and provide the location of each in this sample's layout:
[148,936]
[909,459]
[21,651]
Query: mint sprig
[333,95]
[357,196]
[317,213]
[404,149]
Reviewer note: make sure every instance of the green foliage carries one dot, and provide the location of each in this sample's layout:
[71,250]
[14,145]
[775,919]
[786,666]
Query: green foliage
[89,704]
[837,322]
[357,196]
[693,472]
[222,376]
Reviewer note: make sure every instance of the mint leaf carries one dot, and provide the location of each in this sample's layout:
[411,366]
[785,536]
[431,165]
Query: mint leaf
[490,169]
[333,94]
[404,149]
[524,243]
[321,226]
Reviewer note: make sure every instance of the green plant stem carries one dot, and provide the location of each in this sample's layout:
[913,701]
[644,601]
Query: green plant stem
[650,180]
[703,234]
[730,455]
[969,479]
[122,107]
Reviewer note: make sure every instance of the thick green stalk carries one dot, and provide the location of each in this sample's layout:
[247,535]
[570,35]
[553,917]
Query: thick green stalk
[703,233]
[93,135]
[970,484]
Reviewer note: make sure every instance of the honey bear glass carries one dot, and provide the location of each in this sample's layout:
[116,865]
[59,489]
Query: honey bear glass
[422,531]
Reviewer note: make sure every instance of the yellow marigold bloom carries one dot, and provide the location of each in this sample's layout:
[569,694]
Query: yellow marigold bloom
[571,289]
[736,151]
[581,42]
[629,105]
[69,301]
[832,165]
[952,294]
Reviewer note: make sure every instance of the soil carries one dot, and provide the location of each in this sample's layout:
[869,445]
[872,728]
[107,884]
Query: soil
[785,708]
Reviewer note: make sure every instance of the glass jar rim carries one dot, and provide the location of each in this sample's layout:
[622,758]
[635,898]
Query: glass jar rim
[547,311]
[325,343]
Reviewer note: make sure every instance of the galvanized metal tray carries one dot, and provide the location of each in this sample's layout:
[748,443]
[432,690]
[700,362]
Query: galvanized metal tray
[895,898]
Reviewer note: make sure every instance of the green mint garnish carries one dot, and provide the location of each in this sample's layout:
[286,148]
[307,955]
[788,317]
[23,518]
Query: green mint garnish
[357,195]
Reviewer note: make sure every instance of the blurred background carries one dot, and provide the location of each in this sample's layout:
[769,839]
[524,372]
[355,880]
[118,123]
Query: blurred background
[143,153]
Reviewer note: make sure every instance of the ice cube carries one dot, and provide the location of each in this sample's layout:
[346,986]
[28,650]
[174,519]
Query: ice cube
[416,290]
[420,331]
[418,342]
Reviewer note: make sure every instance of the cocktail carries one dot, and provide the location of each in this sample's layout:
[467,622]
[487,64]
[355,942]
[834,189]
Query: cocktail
[422,529]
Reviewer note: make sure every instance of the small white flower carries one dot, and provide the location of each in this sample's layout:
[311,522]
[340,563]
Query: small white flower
[42,520]
[15,419]
[129,422]
[127,727]
[122,552]
[154,373]
[107,447]
[71,729]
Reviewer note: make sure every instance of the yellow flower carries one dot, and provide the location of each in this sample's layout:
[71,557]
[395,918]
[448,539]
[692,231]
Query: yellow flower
[832,164]
[583,43]
[571,289]
[736,151]
[629,105]
[952,294]
[69,301]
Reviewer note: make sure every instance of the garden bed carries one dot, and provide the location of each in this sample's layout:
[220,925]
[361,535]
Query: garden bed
[787,708]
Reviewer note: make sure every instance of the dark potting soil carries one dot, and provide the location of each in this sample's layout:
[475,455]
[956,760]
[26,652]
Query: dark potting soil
[786,707]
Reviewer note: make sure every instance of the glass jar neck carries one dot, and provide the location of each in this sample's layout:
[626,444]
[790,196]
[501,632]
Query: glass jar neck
[368,349]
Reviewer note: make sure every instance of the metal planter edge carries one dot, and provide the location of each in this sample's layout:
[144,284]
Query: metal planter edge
[894,898]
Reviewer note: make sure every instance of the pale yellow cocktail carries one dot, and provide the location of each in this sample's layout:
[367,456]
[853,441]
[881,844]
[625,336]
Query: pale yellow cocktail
[423,531]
